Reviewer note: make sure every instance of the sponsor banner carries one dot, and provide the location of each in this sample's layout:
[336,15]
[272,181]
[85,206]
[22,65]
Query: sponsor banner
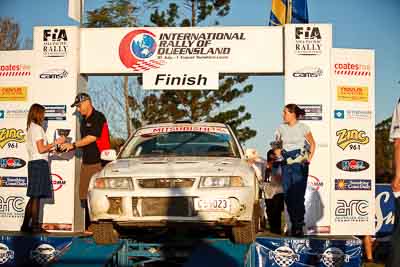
[352,139]
[180,81]
[13,113]
[385,209]
[13,181]
[55,42]
[221,49]
[183,128]
[352,184]
[11,137]
[54,74]
[308,72]
[308,40]
[55,112]
[13,93]
[353,132]
[351,69]
[352,93]
[352,165]
[352,114]
[312,251]
[313,112]
[57,181]
[351,210]
[12,163]
[11,206]
[14,70]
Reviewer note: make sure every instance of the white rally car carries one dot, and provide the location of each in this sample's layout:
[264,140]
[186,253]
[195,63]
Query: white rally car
[176,173]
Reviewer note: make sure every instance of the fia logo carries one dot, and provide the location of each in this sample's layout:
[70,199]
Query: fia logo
[54,35]
[309,33]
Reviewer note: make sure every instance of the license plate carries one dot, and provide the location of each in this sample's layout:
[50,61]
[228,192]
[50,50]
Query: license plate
[212,204]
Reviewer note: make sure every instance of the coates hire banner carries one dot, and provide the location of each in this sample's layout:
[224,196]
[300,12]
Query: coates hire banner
[353,142]
[171,50]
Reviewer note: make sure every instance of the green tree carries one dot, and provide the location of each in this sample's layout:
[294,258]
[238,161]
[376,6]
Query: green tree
[383,151]
[205,105]
[117,13]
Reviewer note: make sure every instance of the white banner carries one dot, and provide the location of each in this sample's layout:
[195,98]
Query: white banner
[153,80]
[353,141]
[307,83]
[220,49]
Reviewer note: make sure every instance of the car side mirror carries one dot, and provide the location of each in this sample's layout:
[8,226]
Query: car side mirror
[108,155]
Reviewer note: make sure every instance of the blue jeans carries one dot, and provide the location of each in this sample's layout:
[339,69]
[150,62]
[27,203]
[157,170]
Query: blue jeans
[294,182]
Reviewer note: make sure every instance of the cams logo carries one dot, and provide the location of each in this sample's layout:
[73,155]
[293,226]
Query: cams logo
[15,70]
[44,253]
[351,211]
[54,74]
[284,256]
[352,165]
[308,41]
[352,138]
[12,207]
[334,257]
[6,254]
[11,137]
[137,51]
[55,43]
[352,184]
[11,163]
[308,72]
[350,69]
[57,181]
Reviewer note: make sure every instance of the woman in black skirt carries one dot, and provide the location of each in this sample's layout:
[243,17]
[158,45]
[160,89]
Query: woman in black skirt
[39,181]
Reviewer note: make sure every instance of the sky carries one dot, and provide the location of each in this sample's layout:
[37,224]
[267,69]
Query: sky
[368,24]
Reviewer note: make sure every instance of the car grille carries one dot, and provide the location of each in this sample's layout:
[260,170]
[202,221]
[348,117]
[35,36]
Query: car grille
[165,206]
[166,182]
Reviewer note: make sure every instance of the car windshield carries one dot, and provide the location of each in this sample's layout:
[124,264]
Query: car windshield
[181,143]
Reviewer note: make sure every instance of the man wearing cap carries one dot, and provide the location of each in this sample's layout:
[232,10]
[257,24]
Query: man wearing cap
[95,138]
[394,259]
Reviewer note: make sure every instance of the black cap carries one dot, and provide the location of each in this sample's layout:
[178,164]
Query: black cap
[79,98]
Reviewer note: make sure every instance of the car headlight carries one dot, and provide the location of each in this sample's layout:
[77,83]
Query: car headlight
[221,181]
[113,183]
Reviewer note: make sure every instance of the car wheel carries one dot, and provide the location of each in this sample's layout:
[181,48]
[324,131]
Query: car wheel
[104,233]
[246,234]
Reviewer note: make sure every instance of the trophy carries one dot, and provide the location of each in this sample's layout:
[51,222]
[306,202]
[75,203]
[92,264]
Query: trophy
[59,133]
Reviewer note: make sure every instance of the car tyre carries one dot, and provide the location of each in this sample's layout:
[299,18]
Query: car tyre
[246,234]
[104,233]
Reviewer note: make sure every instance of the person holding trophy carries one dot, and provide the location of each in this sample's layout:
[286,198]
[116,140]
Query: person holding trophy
[95,138]
[298,146]
[39,180]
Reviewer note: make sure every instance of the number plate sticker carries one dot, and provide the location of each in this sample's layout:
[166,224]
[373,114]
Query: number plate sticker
[217,204]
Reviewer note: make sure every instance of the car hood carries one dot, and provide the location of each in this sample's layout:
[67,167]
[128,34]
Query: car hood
[177,167]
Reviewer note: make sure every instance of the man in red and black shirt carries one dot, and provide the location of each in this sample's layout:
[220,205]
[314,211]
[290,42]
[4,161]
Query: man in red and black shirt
[95,138]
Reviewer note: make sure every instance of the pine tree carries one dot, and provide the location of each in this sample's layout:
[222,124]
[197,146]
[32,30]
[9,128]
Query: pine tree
[205,105]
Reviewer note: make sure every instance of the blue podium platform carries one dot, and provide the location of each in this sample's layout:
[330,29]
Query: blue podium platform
[66,251]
